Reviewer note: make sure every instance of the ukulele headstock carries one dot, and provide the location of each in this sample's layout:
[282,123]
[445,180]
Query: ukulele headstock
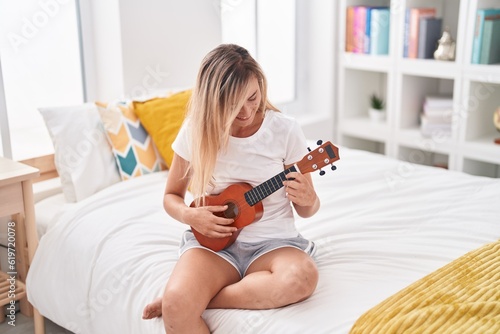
[325,154]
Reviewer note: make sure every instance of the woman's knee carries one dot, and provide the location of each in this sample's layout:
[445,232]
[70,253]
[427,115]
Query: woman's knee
[306,274]
[175,305]
[299,280]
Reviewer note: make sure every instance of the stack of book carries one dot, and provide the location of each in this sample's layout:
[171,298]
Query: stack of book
[422,32]
[486,43]
[437,115]
[367,30]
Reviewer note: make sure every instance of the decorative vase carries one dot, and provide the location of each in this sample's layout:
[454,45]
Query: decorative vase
[496,122]
[376,115]
[446,47]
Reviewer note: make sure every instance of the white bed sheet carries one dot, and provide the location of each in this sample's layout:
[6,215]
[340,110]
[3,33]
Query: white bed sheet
[48,210]
[383,224]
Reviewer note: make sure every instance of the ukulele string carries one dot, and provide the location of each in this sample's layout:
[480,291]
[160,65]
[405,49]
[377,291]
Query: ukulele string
[264,190]
[267,188]
[243,204]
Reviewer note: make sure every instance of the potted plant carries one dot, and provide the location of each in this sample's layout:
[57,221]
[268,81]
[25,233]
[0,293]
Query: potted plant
[377,108]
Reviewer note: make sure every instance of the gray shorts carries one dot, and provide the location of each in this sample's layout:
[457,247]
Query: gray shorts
[242,254]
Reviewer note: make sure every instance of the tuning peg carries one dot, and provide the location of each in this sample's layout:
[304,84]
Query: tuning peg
[321,172]
[309,149]
[334,167]
[319,142]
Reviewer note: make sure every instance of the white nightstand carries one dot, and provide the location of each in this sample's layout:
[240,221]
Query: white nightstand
[16,200]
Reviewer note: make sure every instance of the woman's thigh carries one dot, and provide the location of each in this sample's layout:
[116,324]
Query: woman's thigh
[198,276]
[291,268]
[282,258]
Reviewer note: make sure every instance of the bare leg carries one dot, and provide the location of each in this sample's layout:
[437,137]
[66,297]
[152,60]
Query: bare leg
[197,277]
[278,278]
[281,277]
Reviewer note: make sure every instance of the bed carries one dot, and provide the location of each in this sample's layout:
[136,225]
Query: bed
[384,225]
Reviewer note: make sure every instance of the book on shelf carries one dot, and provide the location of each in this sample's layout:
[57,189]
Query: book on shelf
[436,116]
[380,23]
[437,101]
[367,29]
[490,43]
[406,33]
[349,29]
[481,16]
[431,125]
[428,122]
[359,29]
[415,15]
[366,39]
[428,36]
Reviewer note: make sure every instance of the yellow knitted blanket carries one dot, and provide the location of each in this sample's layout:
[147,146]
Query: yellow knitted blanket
[461,297]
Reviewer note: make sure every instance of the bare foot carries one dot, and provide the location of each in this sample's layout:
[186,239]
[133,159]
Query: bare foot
[152,310]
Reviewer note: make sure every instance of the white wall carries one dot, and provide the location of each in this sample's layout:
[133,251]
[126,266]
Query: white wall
[147,46]
[103,49]
[314,107]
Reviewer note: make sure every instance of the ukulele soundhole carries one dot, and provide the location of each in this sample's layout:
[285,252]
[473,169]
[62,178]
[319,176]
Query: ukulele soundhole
[231,211]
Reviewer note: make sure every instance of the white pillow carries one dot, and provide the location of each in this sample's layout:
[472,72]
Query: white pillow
[83,156]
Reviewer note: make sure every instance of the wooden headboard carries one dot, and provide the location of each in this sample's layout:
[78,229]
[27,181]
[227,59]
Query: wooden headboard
[46,166]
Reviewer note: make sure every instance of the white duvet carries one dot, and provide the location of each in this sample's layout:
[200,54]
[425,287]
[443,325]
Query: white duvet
[382,225]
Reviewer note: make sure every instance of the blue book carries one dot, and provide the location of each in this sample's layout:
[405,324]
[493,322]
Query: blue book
[366,48]
[490,43]
[380,24]
[406,41]
[429,32]
[481,15]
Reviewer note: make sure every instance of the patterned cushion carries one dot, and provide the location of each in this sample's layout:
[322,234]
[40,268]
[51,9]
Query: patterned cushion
[134,150]
[162,118]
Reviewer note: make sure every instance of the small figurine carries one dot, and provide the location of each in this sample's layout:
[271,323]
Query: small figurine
[446,47]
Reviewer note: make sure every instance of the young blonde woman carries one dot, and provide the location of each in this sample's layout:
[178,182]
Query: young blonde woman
[233,134]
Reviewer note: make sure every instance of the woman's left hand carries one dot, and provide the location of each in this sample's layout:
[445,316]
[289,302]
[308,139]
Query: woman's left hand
[299,189]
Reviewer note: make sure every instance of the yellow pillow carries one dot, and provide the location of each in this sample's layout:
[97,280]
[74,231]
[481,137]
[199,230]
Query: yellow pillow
[162,118]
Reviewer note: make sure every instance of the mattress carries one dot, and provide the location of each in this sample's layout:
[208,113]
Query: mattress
[383,224]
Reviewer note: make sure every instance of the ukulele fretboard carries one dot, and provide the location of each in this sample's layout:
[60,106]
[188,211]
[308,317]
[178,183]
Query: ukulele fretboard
[265,189]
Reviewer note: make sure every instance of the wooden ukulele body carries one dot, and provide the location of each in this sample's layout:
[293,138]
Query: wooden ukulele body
[238,209]
[245,202]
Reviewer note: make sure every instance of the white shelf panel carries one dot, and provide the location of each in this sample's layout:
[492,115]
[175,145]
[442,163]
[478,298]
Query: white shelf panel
[363,127]
[483,149]
[405,82]
[483,73]
[365,62]
[430,68]
[413,138]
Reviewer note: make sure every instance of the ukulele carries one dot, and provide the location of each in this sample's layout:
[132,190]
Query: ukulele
[244,202]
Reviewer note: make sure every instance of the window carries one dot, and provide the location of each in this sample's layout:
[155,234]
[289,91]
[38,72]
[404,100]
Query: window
[40,67]
[266,28]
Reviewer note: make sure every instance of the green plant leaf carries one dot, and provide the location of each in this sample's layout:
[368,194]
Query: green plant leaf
[377,102]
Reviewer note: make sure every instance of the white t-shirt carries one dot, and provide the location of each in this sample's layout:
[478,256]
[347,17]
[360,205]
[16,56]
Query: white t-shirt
[279,141]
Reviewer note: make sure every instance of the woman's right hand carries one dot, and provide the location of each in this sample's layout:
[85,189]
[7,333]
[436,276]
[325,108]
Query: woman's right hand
[204,220]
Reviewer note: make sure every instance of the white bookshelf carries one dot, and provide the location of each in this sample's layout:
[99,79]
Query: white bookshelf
[404,83]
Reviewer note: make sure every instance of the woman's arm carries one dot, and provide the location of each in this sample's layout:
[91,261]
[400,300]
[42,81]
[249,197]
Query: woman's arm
[300,190]
[202,218]
[176,187]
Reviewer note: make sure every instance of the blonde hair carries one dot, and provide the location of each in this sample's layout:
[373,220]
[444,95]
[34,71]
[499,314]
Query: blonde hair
[218,95]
